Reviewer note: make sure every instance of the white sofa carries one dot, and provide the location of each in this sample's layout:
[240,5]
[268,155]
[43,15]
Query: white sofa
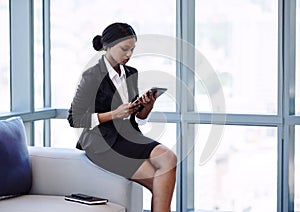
[59,172]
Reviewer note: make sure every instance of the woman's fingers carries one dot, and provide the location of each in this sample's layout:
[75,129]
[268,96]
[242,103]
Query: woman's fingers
[148,97]
[133,107]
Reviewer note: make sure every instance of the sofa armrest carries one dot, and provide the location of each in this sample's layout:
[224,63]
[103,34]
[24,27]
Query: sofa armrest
[58,171]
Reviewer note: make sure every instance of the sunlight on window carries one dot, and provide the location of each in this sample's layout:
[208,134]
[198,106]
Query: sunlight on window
[4,57]
[242,174]
[68,139]
[38,133]
[239,39]
[72,33]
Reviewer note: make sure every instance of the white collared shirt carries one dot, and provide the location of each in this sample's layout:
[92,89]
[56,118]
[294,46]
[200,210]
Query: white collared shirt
[121,86]
[119,81]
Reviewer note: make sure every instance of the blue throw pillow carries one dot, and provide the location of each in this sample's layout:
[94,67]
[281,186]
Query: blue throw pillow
[15,169]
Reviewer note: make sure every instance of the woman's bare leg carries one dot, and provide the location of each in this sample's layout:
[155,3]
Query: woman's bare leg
[144,176]
[159,176]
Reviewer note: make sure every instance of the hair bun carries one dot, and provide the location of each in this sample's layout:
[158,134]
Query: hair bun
[97,43]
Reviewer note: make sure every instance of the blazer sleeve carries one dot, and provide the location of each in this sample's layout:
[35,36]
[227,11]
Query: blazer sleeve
[83,104]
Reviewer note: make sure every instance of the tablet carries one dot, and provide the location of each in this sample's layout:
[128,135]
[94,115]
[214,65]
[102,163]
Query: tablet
[86,199]
[159,90]
[153,90]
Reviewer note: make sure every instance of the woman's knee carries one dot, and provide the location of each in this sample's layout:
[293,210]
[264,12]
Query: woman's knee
[162,157]
[172,159]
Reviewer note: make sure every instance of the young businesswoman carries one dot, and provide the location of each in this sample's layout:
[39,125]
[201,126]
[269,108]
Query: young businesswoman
[111,137]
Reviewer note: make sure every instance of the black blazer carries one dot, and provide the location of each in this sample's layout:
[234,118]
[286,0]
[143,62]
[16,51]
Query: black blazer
[96,93]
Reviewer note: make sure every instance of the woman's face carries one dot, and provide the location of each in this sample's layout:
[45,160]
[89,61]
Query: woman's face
[121,52]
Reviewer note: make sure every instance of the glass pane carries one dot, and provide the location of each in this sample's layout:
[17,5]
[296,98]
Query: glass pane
[297,169]
[241,175]
[165,134]
[71,44]
[38,133]
[68,139]
[4,57]
[239,41]
[38,54]
[298,57]
[159,72]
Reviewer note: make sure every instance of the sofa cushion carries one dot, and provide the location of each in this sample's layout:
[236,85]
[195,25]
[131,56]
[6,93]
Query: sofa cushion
[48,203]
[15,170]
[60,171]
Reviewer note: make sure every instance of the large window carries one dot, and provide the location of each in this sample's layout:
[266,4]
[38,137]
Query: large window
[72,51]
[236,56]
[241,176]
[239,40]
[4,57]
[243,62]
[75,23]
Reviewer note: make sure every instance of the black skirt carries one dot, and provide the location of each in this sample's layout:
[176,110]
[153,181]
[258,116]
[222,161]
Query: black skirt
[127,154]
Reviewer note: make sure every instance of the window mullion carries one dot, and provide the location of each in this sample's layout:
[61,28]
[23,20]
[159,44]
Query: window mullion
[186,86]
[21,46]
[46,69]
[288,108]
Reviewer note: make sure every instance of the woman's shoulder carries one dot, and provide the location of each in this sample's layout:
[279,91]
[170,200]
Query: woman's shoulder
[95,72]
[90,71]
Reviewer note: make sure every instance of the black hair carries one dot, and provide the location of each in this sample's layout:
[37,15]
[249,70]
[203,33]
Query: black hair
[112,35]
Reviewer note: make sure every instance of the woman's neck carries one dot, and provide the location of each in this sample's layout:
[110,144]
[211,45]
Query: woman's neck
[117,69]
[114,64]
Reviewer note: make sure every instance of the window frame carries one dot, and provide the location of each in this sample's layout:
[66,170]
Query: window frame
[21,19]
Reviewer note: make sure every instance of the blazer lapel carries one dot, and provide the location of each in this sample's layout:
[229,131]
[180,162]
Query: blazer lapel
[103,70]
[130,84]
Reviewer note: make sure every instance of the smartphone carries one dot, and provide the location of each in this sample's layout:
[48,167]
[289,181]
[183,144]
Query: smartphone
[86,199]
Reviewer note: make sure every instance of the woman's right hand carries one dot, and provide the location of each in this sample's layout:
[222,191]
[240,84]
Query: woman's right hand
[124,110]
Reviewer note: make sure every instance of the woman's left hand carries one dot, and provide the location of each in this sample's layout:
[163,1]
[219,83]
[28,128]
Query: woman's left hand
[147,100]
